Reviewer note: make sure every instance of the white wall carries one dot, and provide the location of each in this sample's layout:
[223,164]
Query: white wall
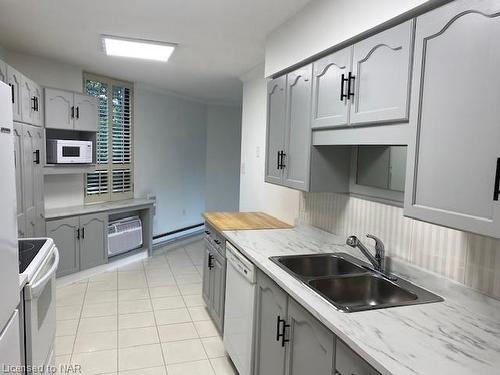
[323,24]
[170,152]
[223,158]
[255,194]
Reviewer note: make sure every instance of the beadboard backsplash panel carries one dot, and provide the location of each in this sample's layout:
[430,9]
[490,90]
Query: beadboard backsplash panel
[464,257]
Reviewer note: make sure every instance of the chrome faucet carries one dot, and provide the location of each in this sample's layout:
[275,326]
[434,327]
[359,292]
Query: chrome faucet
[378,260]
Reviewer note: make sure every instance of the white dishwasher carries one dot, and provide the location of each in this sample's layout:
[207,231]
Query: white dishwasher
[239,313]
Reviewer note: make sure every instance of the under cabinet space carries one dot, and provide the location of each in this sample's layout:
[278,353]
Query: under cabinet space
[69,150]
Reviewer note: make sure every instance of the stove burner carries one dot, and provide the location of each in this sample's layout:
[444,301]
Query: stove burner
[28,249]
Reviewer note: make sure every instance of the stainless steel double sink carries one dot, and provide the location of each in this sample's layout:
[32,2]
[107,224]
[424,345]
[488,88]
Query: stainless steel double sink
[350,284]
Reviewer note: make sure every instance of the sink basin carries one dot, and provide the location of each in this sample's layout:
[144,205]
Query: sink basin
[350,284]
[317,265]
[361,292]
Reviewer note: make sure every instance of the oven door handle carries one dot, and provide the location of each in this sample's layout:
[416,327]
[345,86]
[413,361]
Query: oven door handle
[36,289]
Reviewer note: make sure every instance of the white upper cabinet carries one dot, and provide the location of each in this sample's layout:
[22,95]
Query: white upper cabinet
[276,110]
[14,79]
[86,109]
[330,106]
[453,168]
[296,158]
[59,109]
[70,111]
[3,72]
[380,81]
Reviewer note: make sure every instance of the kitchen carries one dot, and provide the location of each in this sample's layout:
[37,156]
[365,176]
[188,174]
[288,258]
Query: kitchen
[284,187]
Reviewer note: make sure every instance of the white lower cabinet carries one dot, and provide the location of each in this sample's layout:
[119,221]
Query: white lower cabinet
[290,341]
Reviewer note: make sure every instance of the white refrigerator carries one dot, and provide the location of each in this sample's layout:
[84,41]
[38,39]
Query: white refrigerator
[9,259]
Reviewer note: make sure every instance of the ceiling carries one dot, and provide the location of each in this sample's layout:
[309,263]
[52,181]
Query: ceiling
[219,40]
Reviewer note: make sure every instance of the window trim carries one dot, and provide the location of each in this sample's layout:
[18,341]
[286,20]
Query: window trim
[110,166]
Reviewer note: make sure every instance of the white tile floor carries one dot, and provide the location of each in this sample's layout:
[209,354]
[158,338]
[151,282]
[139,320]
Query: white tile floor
[145,318]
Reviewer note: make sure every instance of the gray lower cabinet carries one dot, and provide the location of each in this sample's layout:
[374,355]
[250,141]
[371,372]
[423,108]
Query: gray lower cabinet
[290,341]
[28,150]
[93,240]
[311,348]
[214,277]
[271,309]
[81,241]
[349,363]
[453,171]
[64,232]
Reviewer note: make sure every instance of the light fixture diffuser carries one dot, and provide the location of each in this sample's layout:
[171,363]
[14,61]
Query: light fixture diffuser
[137,48]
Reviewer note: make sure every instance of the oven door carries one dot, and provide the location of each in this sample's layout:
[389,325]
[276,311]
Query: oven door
[40,311]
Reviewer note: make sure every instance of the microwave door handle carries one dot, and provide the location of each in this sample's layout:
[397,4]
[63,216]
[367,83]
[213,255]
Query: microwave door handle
[37,288]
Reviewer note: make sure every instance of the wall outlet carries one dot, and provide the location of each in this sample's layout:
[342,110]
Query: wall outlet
[183,212]
[243,169]
[257,152]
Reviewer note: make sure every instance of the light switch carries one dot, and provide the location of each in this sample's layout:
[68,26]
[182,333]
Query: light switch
[243,168]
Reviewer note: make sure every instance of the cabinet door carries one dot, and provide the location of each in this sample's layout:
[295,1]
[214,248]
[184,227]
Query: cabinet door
[37,153]
[65,233]
[3,72]
[276,109]
[15,81]
[86,114]
[206,274]
[453,167]
[59,109]
[329,106]
[348,363]
[311,346]
[271,305]
[93,240]
[28,160]
[28,105]
[298,132]
[219,291]
[38,111]
[18,157]
[382,69]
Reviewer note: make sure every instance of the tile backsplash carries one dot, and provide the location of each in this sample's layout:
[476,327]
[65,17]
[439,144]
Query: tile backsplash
[467,258]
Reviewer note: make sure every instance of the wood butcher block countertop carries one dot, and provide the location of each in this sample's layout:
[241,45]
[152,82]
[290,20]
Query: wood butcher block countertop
[243,220]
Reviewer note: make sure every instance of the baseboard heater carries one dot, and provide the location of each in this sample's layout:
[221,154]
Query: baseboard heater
[124,235]
[171,233]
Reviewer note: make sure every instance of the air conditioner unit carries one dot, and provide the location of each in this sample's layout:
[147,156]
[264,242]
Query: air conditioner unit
[124,235]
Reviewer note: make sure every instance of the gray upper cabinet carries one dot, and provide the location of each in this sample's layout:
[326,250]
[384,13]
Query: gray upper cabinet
[14,79]
[86,109]
[65,233]
[330,106]
[28,104]
[28,149]
[348,363]
[59,109]
[311,348]
[296,158]
[18,157]
[276,111]
[3,72]
[381,70]
[271,305]
[93,240]
[453,167]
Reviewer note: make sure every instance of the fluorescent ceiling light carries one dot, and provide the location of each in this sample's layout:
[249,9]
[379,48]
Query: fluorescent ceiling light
[137,48]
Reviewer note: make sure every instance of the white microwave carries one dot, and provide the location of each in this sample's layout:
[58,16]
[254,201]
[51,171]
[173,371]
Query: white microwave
[63,151]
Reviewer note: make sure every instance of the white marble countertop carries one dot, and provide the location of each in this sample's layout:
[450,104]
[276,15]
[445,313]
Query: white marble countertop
[54,213]
[458,336]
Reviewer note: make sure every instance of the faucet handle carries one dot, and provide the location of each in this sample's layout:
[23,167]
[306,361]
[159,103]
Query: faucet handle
[379,245]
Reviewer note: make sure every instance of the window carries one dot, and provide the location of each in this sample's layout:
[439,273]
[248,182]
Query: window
[113,177]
